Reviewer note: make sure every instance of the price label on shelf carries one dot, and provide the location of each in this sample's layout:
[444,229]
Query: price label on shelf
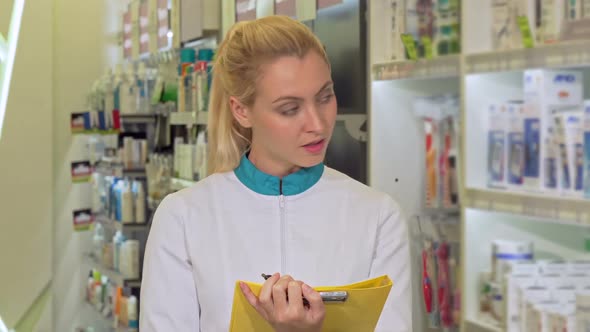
[525,31]
[410,45]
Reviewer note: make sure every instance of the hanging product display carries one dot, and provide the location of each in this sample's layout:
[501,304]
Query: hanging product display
[440,116]
[439,276]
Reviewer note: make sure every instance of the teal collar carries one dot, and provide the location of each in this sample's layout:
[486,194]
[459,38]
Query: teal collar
[266,184]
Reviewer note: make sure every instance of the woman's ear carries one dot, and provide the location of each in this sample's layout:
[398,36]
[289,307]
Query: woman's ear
[240,112]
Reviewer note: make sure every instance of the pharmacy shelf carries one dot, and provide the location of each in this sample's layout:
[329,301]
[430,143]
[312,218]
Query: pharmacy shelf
[562,55]
[113,169]
[138,118]
[136,173]
[557,209]
[178,184]
[188,118]
[109,223]
[482,324]
[117,278]
[91,317]
[439,67]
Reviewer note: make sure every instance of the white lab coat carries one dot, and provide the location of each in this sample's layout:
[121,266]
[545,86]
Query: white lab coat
[205,238]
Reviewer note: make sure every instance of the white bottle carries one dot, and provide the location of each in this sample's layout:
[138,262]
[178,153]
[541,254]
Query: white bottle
[130,259]
[98,241]
[127,204]
[132,314]
[118,241]
[141,92]
[139,203]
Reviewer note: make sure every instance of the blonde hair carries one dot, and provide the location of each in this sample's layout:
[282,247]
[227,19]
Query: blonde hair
[246,47]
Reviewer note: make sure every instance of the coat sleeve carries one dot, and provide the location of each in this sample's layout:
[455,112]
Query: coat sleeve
[392,257]
[168,299]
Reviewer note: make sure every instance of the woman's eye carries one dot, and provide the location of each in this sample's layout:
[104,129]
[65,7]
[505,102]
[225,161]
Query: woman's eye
[290,111]
[326,99]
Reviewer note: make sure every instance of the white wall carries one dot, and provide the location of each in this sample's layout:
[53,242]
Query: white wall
[26,169]
[84,45]
[64,46]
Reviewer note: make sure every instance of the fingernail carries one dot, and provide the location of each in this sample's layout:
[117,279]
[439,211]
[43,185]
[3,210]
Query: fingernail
[242,285]
[306,288]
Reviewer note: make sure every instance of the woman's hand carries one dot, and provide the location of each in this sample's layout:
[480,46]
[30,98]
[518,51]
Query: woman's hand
[281,304]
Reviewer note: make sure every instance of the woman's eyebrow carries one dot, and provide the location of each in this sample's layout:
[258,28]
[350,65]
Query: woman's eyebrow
[293,98]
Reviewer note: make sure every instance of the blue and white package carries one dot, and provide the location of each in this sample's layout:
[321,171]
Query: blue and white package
[496,145]
[546,90]
[515,167]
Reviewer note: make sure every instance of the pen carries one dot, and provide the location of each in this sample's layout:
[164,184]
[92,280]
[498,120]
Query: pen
[305,301]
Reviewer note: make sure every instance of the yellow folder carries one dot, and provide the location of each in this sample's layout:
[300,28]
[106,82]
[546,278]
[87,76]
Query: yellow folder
[359,312]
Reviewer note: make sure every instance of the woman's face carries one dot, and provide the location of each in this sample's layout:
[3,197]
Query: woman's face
[293,116]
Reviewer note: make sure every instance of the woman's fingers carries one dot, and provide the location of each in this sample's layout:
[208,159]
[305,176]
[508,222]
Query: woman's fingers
[279,294]
[295,298]
[317,310]
[253,300]
[265,297]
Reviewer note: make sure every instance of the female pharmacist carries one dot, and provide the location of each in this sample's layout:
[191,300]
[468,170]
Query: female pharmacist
[270,205]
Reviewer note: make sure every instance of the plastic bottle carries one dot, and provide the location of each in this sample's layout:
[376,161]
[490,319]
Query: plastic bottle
[132,314]
[139,203]
[127,203]
[118,200]
[98,241]
[118,241]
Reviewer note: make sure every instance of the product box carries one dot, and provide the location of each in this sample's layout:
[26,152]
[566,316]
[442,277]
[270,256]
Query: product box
[544,92]
[511,293]
[529,297]
[569,138]
[551,16]
[502,24]
[515,144]
[497,116]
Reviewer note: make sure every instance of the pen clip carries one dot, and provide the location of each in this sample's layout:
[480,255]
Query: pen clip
[336,296]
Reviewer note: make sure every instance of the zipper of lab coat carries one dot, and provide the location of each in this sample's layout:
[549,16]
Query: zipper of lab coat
[283,230]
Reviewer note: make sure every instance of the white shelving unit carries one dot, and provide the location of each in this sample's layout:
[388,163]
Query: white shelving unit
[188,118]
[116,277]
[558,226]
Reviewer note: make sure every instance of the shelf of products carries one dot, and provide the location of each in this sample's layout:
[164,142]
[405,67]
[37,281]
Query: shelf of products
[119,226]
[188,118]
[553,208]
[138,118]
[97,322]
[567,54]
[438,67]
[116,277]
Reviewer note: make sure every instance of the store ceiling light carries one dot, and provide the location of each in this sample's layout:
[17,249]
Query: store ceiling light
[7,53]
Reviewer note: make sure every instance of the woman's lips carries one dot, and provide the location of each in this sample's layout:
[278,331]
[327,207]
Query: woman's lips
[316,147]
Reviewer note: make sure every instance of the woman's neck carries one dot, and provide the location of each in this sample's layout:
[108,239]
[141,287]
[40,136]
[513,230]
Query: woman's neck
[268,165]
